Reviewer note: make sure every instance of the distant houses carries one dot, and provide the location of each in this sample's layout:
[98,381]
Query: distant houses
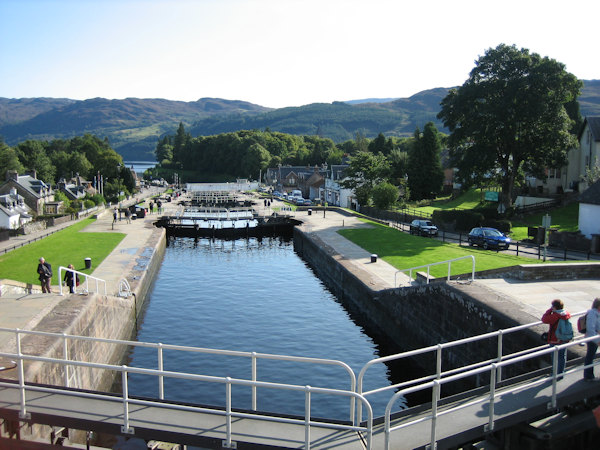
[35,193]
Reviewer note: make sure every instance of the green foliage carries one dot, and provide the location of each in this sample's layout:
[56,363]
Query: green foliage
[510,117]
[425,174]
[463,220]
[60,196]
[404,251]
[9,159]
[385,195]
[62,248]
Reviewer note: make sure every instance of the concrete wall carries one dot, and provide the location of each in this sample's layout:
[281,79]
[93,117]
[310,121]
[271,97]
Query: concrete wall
[422,316]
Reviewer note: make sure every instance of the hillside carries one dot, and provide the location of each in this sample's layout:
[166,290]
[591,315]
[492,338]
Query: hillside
[133,125]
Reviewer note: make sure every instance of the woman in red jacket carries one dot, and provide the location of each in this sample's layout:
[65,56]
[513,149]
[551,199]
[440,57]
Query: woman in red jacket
[551,317]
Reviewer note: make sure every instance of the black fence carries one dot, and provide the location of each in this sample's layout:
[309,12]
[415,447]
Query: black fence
[401,221]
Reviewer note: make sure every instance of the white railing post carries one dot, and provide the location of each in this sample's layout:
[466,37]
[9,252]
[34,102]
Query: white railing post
[161,378]
[60,277]
[125,428]
[492,396]
[307,418]
[23,414]
[435,395]
[500,353]
[254,371]
[227,443]
[66,357]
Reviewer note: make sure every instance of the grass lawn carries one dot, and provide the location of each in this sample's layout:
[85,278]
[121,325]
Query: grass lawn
[565,218]
[62,248]
[404,251]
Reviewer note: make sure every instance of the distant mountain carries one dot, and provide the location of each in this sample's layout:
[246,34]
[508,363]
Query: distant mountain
[133,125]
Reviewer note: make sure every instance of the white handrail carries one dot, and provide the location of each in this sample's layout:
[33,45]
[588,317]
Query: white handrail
[87,278]
[449,262]
[126,400]
[492,369]
[439,373]
[160,347]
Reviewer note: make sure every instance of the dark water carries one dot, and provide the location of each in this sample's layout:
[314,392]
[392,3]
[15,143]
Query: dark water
[251,295]
[139,166]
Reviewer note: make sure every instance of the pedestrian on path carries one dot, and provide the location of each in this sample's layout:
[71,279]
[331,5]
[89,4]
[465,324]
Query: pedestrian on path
[115,215]
[552,317]
[44,270]
[592,325]
[71,278]
[128,215]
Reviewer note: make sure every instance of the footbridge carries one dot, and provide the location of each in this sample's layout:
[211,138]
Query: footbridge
[499,394]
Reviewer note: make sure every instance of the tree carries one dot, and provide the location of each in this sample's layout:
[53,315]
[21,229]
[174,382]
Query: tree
[9,160]
[425,173]
[33,156]
[365,171]
[385,195]
[510,116]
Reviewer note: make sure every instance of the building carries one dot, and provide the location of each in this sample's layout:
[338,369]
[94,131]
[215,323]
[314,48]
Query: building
[308,179]
[14,213]
[585,157]
[35,192]
[333,193]
[589,211]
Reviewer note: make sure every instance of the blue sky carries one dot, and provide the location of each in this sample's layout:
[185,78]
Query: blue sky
[275,53]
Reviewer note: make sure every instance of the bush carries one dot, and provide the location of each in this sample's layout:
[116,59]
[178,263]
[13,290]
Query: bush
[87,203]
[463,220]
[384,195]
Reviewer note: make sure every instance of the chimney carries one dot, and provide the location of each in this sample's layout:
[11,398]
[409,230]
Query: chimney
[33,174]
[12,175]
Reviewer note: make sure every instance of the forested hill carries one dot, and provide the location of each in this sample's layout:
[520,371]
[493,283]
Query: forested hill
[133,125]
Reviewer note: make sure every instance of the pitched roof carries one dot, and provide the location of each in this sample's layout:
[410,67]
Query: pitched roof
[591,195]
[594,125]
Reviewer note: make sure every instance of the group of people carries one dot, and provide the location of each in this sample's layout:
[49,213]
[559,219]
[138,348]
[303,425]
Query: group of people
[44,271]
[557,312]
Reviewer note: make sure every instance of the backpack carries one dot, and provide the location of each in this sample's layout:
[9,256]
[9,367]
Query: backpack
[582,324]
[564,331]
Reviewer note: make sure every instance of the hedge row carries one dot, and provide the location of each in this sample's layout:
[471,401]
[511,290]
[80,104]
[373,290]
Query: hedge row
[468,219]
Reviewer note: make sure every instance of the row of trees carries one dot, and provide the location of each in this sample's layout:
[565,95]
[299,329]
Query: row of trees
[64,158]
[413,164]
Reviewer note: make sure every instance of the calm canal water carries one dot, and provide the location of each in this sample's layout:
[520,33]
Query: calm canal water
[251,295]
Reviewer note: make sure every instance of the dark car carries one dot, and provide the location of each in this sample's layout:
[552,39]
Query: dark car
[423,228]
[488,238]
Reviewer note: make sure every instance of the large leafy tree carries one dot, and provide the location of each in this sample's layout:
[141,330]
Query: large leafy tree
[425,173]
[511,116]
[364,172]
[9,160]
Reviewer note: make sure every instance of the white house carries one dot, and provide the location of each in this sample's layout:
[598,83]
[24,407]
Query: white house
[14,213]
[333,193]
[584,157]
[589,211]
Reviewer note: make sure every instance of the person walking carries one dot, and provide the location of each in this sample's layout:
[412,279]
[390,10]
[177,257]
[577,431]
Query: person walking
[44,270]
[552,316]
[592,325]
[71,278]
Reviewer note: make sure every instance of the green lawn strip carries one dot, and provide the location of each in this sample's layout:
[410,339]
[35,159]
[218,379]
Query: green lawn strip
[62,248]
[565,218]
[405,251]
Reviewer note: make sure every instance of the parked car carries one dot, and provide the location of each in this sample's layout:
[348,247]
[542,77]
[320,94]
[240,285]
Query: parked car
[488,238]
[423,228]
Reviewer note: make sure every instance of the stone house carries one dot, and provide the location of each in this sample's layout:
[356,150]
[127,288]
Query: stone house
[35,192]
[333,193]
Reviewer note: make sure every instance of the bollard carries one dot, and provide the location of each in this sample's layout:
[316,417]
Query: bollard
[88,263]
[373,258]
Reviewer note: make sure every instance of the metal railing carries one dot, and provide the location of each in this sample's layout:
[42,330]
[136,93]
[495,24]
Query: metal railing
[494,366]
[439,348]
[428,266]
[227,381]
[86,283]
[491,368]
[254,357]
